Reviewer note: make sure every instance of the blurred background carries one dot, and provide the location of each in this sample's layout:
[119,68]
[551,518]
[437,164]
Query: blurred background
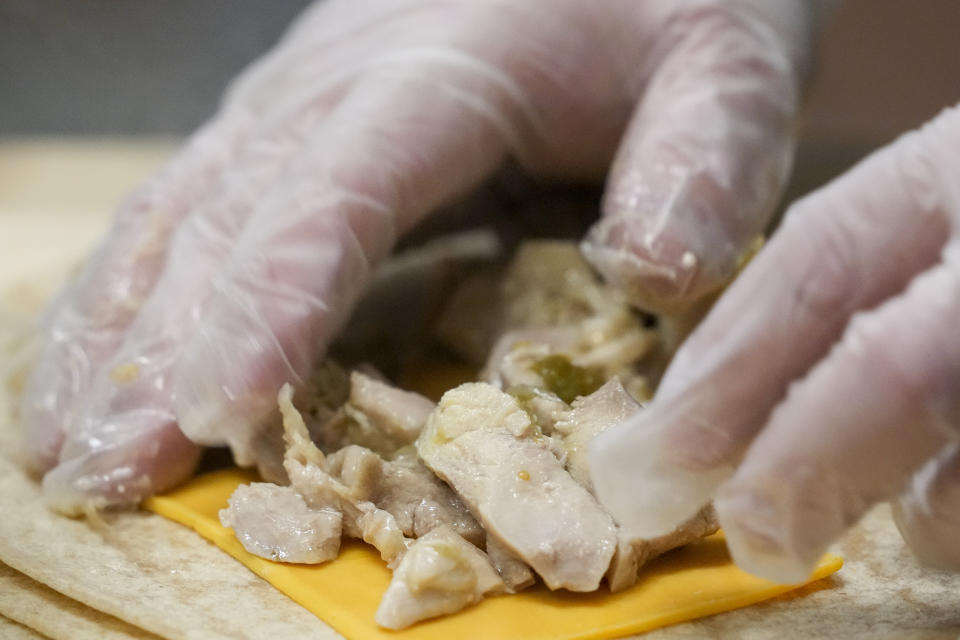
[142,67]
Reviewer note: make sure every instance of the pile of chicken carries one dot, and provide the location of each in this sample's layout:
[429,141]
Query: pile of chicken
[489,489]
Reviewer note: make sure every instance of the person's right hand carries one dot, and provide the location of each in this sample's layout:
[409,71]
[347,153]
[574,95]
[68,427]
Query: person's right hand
[826,379]
[227,274]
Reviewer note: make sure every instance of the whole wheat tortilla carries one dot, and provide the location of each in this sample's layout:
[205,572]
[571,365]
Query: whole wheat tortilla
[45,611]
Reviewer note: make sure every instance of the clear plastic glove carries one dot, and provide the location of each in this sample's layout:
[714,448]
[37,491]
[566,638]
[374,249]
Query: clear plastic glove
[227,274]
[826,379]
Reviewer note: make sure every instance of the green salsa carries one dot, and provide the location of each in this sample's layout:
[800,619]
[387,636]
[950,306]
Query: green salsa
[565,379]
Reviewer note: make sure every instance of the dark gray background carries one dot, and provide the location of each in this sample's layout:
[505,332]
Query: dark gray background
[159,67]
[126,66]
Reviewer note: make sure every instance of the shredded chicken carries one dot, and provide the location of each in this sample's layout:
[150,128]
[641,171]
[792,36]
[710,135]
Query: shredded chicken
[399,415]
[404,487]
[307,468]
[440,574]
[499,465]
[516,575]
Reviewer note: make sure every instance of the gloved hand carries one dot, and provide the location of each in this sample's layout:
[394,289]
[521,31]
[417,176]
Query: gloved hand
[228,273]
[826,379]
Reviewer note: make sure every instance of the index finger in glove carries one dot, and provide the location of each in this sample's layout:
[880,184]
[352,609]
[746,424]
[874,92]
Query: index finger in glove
[707,153]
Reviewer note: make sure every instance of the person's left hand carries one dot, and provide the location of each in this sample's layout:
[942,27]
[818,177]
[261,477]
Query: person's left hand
[229,273]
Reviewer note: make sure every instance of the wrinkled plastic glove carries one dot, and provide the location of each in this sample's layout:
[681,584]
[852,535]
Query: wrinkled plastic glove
[826,379]
[228,273]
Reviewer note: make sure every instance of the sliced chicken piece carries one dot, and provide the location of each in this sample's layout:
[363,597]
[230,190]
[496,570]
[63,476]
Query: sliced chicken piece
[516,575]
[377,416]
[359,469]
[412,487]
[440,574]
[588,417]
[269,447]
[398,414]
[361,518]
[633,553]
[418,500]
[482,443]
[308,470]
[296,436]
[275,523]
[379,528]
[326,390]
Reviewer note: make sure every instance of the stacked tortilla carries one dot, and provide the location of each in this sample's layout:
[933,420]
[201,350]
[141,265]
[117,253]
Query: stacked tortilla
[115,576]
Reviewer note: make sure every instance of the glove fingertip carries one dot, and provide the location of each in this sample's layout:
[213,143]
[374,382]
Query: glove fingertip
[149,461]
[655,274]
[641,487]
[928,514]
[221,399]
[41,438]
[757,549]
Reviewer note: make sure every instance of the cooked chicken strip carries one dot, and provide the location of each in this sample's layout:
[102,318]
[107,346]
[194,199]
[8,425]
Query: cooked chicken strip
[398,414]
[295,434]
[326,391]
[589,416]
[548,284]
[377,416]
[440,574]
[633,553]
[481,442]
[516,575]
[545,408]
[406,488]
[275,523]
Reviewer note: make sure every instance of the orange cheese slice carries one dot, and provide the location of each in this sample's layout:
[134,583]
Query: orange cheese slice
[698,580]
